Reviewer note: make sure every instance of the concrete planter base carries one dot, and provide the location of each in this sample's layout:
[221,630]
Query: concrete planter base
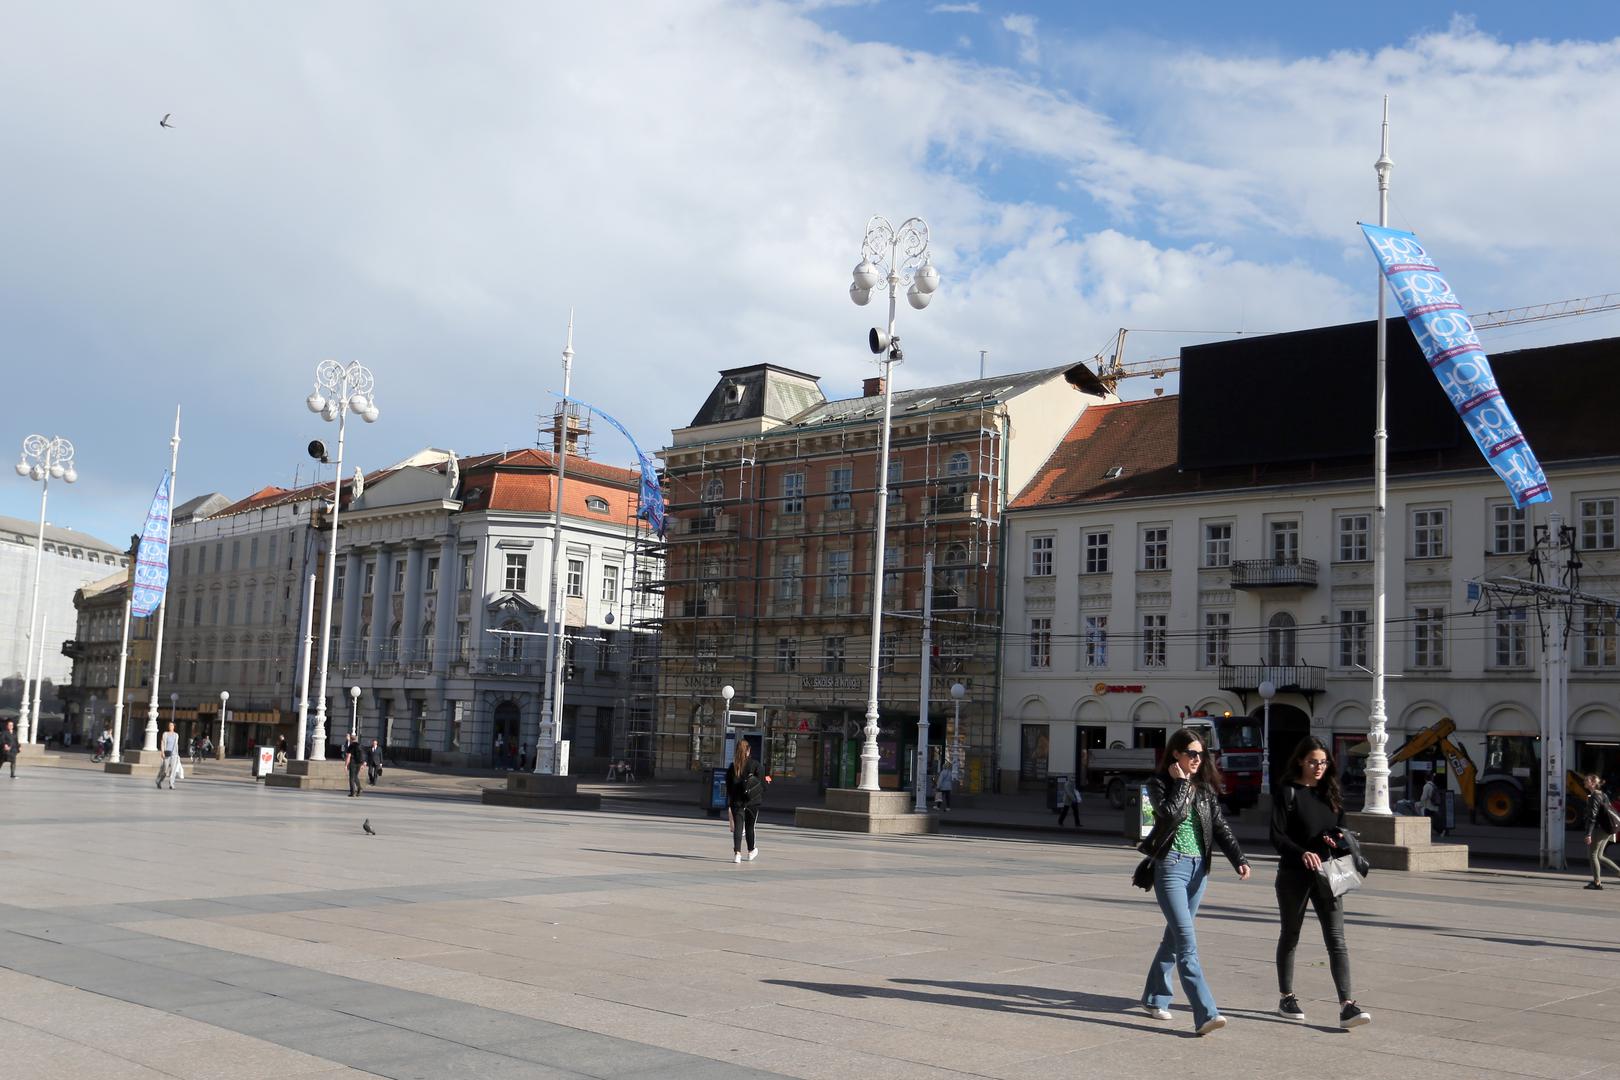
[539,792]
[1405,843]
[853,810]
[311,775]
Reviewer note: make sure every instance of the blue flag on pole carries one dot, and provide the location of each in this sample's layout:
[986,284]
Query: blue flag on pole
[152,557]
[1448,340]
[651,506]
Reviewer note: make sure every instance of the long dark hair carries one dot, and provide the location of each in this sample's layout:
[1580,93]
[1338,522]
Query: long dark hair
[1208,776]
[1326,788]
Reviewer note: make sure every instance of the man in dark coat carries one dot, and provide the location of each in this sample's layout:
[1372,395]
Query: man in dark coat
[8,747]
[351,757]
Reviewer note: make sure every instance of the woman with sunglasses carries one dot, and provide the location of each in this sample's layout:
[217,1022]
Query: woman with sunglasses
[1307,826]
[1187,823]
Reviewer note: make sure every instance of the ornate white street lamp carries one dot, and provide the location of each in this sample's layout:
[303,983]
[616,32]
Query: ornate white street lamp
[338,391]
[43,460]
[354,711]
[224,703]
[1267,691]
[896,256]
[958,692]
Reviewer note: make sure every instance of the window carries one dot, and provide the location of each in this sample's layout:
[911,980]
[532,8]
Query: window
[892,576]
[236,554]
[1153,641]
[185,561]
[1597,524]
[610,584]
[517,572]
[596,504]
[957,466]
[390,650]
[1096,641]
[1509,533]
[1285,542]
[1040,644]
[399,575]
[1217,638]
[897,472]
[787,655]
[1354,529]
[888,653]
[576,577]
[247,607]
[466,571]
[1218,544]
[1156,547]
[1040,555]
[463,639]
[837,563]
[839,482]
[368,579]
[338,574]
[833,661]
[604,652]
[230,609]
[219,556]
[253,552]
[213,611]
[272,556]
[1598,626]
[1511,625]
[789,568]
[1096,553]
[1282,640]
[196,611]
[1429,637]
[793,493]
[714,490]
[432,574]
[511,640]
[1353,637]
[1429,534]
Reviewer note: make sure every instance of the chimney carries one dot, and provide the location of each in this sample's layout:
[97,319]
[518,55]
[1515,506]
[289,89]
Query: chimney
[872,387]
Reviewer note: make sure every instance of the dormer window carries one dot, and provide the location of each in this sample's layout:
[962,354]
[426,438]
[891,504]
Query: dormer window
[596,504]
[732,392]
[1114,473]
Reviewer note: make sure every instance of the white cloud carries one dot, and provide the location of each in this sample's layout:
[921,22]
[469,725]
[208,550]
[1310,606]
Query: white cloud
[1023,27]
[954,9]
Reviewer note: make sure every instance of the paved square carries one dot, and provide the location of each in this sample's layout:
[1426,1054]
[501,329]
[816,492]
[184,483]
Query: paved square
[228,931]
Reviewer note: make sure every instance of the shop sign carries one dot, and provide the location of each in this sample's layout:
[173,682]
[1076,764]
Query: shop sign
[1119,688]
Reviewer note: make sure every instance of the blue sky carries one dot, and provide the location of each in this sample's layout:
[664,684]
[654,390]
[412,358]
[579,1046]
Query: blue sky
[429,191]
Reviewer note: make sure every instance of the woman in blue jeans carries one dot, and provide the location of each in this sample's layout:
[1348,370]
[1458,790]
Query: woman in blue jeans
[1187,825]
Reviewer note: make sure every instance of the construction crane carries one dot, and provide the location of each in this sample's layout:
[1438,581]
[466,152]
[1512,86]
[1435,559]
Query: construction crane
[1112,370]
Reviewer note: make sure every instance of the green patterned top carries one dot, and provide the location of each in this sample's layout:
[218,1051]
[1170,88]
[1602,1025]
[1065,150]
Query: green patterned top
[1189,837]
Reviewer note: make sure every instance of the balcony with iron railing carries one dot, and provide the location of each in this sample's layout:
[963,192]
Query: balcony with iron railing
[1287,678]
[1281,573]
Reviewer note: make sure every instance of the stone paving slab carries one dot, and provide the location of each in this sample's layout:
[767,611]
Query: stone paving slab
[226,930]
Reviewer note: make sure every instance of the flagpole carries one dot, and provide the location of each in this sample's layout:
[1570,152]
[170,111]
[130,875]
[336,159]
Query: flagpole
[1377,771]
[545,757]
[123,665]
[39,675]
[150,743]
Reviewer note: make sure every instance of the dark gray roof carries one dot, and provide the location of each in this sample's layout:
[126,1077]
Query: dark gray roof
[974,392]
[55,534]
[762,390]
[202,506]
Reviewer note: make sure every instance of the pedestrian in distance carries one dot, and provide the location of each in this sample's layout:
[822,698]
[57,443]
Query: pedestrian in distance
[943,783]
[8,747]
[745,791]
[1429,803]
[169,768]
[351,759]
[1187,824]
[1307,827]
[1602,823]
[1068,801]
[373,763]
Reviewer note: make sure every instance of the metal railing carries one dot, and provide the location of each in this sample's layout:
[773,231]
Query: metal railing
[1297,678]
[1274,573]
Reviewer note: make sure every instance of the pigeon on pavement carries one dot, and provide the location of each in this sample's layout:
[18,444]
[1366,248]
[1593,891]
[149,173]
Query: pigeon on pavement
[366,825]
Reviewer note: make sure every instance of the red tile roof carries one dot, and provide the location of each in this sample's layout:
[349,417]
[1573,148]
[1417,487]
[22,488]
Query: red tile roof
[1139,437]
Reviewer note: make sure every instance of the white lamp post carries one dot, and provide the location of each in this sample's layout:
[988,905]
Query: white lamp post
[338,391]
[1267,690]
[727,692]
[43,460]
[892,255]
[1377,769]
[174,707]
[546,761]
[958,692]
[224,704]
[354,711]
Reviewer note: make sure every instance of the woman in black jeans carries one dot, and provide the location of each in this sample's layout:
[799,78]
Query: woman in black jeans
[1307,826]
[745,790]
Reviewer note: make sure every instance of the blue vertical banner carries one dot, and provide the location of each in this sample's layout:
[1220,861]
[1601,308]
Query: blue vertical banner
[1446,335]
[651,505]
[152,557]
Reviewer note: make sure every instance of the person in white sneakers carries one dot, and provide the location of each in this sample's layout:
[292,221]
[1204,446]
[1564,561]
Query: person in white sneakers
[745,790]
[171,769]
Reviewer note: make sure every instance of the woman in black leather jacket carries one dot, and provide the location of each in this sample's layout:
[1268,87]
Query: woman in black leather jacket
[1187,824]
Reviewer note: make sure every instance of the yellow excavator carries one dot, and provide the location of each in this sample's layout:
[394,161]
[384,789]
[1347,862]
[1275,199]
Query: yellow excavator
[1501,798]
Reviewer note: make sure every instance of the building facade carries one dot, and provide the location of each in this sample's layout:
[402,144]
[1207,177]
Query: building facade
[1151,584]
[89,699]
[773,494]
[72,560]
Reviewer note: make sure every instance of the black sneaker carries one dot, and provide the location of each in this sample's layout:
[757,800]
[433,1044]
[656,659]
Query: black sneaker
[1353,1015]
[1288,1008]
[1593,885]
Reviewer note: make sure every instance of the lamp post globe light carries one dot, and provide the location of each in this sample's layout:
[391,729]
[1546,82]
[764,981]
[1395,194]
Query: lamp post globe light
[174,708]
[339,390]
[43,460]
[1267,690]
[224,704]
[354,711]
[895,256]
[958,692]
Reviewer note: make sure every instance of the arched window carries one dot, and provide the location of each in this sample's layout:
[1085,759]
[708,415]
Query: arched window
[391,646]
[714,490]
[511,644]
[956,483]
[426,651]
[1282,641]
[957,465]
[950,580]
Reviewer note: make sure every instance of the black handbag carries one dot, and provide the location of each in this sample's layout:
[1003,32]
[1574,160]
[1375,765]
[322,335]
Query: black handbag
[1142,876]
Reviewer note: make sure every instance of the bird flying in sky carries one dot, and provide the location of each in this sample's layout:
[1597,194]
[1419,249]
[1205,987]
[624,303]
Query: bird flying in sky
[165,121]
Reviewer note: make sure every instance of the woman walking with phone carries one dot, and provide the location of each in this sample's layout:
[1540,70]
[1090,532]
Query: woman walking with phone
[1307,827]
[1187,825]
[745,790]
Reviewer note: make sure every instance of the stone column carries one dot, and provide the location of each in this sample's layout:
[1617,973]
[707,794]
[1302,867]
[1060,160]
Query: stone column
[382,606]
[353,566]
[445,626]
[411,643]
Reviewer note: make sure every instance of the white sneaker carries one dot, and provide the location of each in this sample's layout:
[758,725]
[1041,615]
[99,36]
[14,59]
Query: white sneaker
[737,857]
[1156,1012]
[753,853]
[1214,1023]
